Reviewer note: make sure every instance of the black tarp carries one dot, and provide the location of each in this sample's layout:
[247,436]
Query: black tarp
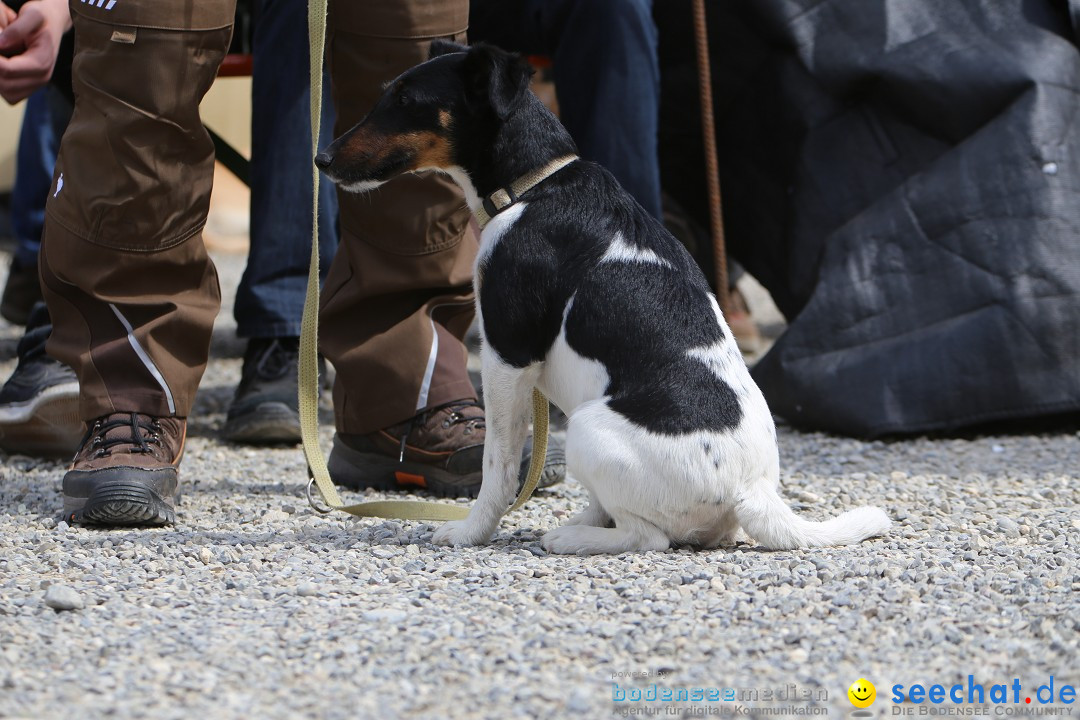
[904,178]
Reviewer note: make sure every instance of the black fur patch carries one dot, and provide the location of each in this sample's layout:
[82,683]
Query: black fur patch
[638,319]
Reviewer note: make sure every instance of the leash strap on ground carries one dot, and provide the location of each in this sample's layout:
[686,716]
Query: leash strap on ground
[308,371]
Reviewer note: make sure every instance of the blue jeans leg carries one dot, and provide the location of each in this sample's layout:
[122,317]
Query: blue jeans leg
[607,76]
[44,120]
[270,298]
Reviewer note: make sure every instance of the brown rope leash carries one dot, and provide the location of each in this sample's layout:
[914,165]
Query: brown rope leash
[712,165]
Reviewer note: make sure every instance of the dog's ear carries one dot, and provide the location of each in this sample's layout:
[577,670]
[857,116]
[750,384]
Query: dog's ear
[496,78]
[444,47]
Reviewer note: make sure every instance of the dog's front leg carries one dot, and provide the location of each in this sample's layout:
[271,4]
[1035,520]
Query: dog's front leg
[507,395]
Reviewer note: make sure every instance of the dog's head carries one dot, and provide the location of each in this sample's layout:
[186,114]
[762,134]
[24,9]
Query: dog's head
[434,116]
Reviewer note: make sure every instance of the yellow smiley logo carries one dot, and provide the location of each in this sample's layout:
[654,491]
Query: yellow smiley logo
[862,693]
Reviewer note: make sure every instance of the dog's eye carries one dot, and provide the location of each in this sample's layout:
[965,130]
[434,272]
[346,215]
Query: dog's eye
[402,99]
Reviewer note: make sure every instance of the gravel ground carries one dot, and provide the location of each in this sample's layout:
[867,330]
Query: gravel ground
[254,606]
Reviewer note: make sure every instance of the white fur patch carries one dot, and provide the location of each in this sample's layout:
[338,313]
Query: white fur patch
[459,176]
[495,229]
[567,378]
[622,251]
[361,186]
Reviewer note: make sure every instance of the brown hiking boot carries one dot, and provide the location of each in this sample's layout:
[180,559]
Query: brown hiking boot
[440,451]
[125,472]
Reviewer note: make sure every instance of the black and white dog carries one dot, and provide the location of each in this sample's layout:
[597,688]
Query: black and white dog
[584,295]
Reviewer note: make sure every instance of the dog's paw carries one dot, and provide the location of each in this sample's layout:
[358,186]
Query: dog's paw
[459,532]
[586,540]
[565,540]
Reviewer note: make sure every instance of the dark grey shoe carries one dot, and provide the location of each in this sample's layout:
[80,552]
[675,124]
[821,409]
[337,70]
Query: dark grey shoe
[554,471]
[39,403]
[21,292]
[265,408]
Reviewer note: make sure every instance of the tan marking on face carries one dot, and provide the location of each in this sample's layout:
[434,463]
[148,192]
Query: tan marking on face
[361,143]
[431,149]
[368,149]
[444,119]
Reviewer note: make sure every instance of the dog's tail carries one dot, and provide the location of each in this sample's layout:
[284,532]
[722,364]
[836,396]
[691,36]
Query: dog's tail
[766,518]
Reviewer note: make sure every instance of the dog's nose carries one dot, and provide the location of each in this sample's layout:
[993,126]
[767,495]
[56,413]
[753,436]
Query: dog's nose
[323,160]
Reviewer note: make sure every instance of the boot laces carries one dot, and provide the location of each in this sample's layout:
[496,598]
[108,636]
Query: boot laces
[275,358]
[456,416]
[144,432]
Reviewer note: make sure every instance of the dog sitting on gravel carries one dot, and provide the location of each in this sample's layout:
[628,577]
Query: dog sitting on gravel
[584,295]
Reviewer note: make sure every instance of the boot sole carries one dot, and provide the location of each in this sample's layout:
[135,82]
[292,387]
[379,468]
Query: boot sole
[271,422]
[121,496]
[47,425]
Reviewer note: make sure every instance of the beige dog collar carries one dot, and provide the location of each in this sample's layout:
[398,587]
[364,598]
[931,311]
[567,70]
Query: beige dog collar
[503,198]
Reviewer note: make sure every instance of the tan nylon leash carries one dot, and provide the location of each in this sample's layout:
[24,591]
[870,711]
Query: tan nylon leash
[308,373]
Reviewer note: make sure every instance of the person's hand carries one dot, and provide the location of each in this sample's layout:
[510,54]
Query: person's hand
[29,43]
[6,16]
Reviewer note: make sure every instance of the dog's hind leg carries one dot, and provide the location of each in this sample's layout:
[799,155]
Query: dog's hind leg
[507,398]
[630,534]
[594,515]
[723,532]
[611,466]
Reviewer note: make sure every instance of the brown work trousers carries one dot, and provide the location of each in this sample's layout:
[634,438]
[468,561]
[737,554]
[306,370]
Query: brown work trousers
[131,289]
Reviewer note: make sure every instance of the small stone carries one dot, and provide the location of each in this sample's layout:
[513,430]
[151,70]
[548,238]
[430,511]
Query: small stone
[307,589]
[578,704]
[387,616]
[606,629]
[63,597]
[1008,527]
